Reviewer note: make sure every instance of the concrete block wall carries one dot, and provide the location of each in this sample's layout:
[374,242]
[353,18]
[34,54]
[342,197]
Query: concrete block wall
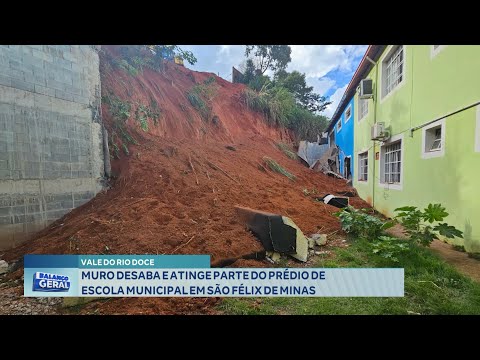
[51,153]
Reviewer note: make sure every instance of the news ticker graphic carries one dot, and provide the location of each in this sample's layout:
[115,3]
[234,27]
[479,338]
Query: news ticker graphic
[191,276]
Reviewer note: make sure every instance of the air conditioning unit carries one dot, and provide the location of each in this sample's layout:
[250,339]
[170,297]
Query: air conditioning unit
[366,89]
[378,132]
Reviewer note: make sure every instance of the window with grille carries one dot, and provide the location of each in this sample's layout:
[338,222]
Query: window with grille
[363,166]
[339,125]
[393,70]
[362,108]
[392,163]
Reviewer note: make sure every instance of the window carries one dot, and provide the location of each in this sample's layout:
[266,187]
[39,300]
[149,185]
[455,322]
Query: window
[348,113]
[363,166]
[434,139]
[392,70]
[362,108]
[339,125]
[433,142]
[391,163]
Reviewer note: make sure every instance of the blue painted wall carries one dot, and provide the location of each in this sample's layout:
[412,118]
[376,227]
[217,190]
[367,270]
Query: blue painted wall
[344,137]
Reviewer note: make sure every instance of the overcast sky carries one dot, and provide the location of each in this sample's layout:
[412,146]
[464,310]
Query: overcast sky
[329,68]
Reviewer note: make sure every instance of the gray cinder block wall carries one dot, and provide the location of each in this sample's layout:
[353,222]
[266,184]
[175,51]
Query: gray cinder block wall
[51,154]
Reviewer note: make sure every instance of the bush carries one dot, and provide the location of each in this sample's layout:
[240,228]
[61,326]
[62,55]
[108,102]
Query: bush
[415,223]
[201,96]
[279,108]
[362,224]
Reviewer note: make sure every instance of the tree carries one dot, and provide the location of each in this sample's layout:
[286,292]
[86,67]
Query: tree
[170,51]
[273,57]
[296,83]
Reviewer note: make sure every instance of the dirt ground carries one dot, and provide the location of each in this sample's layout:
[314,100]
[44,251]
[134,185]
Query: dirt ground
[460,260]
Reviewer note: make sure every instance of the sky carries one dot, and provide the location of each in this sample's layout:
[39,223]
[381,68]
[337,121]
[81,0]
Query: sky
[328,68]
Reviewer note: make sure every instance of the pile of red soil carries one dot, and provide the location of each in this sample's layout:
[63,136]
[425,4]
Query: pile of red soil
[176,191]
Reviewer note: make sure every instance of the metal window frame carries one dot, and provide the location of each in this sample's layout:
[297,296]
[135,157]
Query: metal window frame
[362,108]
[392,163]
[394,69]
[363,166]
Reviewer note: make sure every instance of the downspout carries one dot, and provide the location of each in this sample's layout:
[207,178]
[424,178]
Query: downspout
[375,97]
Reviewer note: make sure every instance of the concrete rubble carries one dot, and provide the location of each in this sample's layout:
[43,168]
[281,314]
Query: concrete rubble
[320,239]
[3,266]
[276,233]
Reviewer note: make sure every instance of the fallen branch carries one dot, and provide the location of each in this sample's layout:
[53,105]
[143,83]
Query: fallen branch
[179,247]
[333,232]
[208,175]
[223,171]
[193,169]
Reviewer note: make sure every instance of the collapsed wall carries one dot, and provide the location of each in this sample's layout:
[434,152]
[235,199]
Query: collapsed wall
[51,155]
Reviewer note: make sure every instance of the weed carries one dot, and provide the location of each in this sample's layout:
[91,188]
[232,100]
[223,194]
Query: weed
[201,96]
[415,223]
[287,150]
[360,223]
[125,149]
[279,108]
[460,248]
[274,166]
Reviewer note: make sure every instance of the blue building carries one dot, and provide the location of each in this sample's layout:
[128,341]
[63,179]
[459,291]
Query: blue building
[340,133]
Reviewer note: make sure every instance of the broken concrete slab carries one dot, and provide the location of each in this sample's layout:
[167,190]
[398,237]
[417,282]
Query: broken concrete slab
[275,232]
[320,239]
[274,256]
[301,241]
[311,243]
[337,201]
[3,266]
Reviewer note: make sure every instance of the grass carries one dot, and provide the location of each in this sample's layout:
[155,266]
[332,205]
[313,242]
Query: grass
[201,96]
[274,166]
[287,150]
[431,287]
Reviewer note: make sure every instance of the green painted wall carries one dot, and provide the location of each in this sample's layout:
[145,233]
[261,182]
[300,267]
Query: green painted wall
[433,86]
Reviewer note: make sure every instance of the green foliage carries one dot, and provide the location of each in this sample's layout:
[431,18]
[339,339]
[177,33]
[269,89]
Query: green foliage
[273,57]
[414,222]
[201,97]
[287,100]
[143,113]
[432,287]
[360,223]
[296,83]
[287,150]
[389,247]
[171,51]
[118,108]
[125,149]
[279,108]
[120,111]
[274,166]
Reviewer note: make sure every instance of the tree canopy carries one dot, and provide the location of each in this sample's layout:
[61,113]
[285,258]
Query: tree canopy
[273,57]
[296,83]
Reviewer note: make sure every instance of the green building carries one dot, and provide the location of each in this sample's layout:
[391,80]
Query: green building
[417,131]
